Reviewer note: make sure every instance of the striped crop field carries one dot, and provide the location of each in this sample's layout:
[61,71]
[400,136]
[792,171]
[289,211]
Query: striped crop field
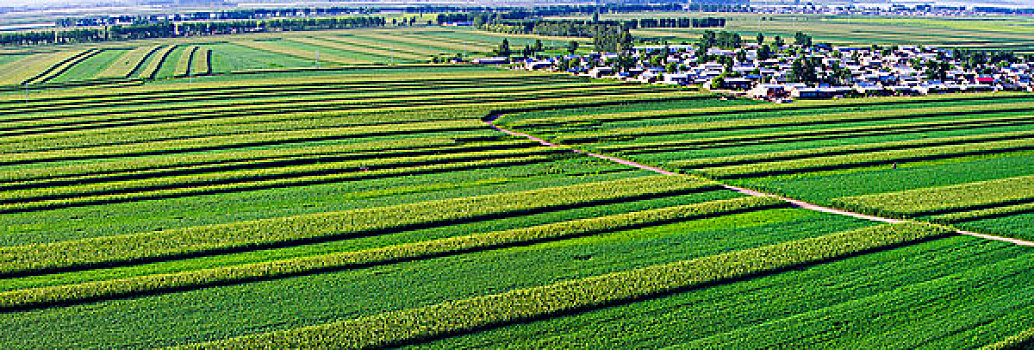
[262,203]
[935,157]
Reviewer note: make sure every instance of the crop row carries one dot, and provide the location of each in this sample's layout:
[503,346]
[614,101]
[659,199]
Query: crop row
[861,159]
[115,148]
[107,289]
[839,150]
[199,110]
[141,65]
[422,323]
[182,68]
[391,47]
[280,231]
[822,134]
[251,171]
[143,93]
[324,58]
[851,117]
[365,51]
[155,64]
[172,191]
[741,109]
[201,63]
[150,94]
[268,123]
[166,167]
[946,199]
[989,213]
[31,66]
[200,103]
[377,148]
[64,66]
[247,111]
[1020,341]
[129,63]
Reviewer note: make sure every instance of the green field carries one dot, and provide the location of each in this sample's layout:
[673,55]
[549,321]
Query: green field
[170,58]
[365,205]
[976,32]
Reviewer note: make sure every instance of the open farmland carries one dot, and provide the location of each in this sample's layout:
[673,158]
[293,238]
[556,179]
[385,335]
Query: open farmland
[171,58]
[224,193]
[341,208]
[952,159]
[975,32]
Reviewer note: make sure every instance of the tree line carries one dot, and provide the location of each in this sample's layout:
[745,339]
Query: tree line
[171,30]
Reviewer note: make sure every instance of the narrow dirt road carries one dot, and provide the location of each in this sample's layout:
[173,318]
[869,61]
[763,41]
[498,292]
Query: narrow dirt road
[798,203]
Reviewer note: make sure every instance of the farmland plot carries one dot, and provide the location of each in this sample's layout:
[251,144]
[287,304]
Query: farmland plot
[374,207]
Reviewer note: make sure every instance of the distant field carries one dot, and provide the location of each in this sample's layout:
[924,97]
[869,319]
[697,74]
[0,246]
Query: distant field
[371,206]
[170,58]
[1010,33]
[902,157]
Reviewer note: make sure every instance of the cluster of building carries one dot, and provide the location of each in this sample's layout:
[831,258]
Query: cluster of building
[839,71]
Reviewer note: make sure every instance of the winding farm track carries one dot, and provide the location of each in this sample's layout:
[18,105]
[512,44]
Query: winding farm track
[490,120]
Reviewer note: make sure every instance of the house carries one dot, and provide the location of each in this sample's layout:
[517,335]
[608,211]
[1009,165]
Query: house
[600,72]
[767,91]
[677,79]
[738,83]
[537,65]
[491,60]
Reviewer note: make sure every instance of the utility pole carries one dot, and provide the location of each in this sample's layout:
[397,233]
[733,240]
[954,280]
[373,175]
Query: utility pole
[317,58]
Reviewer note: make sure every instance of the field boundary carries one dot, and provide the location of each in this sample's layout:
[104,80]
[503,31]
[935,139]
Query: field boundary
[490,120]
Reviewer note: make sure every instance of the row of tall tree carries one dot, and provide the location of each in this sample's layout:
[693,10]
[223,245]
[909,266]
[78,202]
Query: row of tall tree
[170,30]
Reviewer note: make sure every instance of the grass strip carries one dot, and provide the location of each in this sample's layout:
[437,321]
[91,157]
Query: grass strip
[821,134]
[64,294]
[414,325]
[837,118]
[184,63]
[946,199]
[250,171]
[155,64]
[988,213]
[391,147]
[237,141]
[124,66]
[760,108]
[315,227]
[840,150]
[264,183]
[853,160]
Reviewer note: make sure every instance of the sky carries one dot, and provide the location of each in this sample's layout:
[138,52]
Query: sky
[4,3]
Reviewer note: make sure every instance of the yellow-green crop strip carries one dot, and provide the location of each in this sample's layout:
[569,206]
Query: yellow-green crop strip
[416,324]
[64,294]
[307,228]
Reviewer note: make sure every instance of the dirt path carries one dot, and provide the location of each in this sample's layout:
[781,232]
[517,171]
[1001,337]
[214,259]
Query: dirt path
[798,203]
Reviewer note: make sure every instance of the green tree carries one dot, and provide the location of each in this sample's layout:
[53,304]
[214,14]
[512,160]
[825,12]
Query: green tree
[504,49]
[802,39]
[761,39]
[572,47]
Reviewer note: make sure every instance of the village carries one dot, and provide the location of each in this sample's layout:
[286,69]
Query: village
[780,72]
